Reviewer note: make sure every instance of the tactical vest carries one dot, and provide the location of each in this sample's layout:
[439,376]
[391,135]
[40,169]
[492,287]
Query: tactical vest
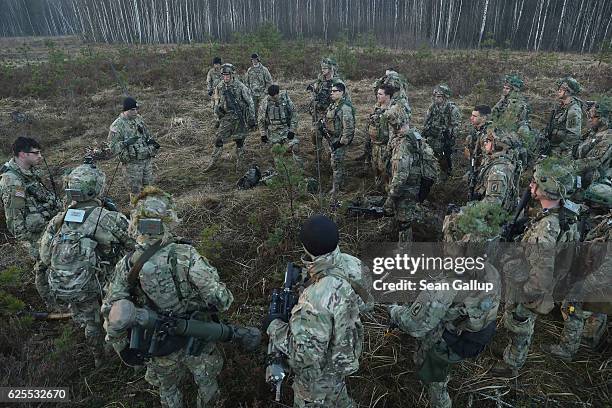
[278,113]
[323,96]
[439,120]
[378,128]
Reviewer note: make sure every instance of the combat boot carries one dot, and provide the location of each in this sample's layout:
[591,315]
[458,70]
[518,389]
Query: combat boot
[213,158]
[557,350]
[501,369]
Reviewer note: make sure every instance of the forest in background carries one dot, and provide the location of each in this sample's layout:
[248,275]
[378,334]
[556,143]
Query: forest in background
[559,25]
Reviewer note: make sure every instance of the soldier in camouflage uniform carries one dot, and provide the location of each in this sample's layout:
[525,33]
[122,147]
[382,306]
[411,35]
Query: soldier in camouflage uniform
[565,125]
[278,120]
[451,325]
[213,77]
[131,141]
[387,121]
[593,158]
[553,225]
[174,279]
[474,143]
[498,178]
[513,109]
[28,204]
[258,80]
[236,114]
[410,181]
[321,96]
[76,277]
[442,126]
[323,338]
[339,130]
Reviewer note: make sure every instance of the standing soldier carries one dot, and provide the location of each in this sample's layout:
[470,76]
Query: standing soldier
[413,171]
[498,178]
[474,144]
[213,77]
[442,126]
[565,125]
[321,96]
[170,278]
[76,277]
[324,336]
[388,119]
[257,79]
[28,204]
[554,224]
[512,110]
[235,112]
[593,159]
[338,128]
[278,120]
[130,139]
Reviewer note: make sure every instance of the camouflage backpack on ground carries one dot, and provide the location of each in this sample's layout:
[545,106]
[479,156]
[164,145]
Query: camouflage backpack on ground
[73,254]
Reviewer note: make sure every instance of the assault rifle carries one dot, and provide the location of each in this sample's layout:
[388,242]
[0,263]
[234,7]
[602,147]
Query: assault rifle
[44,315]
[516,227]
[234,107]
[156,334]
[374,211]
[447,149]
[473,176]
[281,303]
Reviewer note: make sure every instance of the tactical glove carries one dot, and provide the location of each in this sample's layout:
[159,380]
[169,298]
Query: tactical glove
[310,88]
[130,141]
[210,93]
[221,110]
[290,135]
[264,139]
[337,145]
[269,319]
[248,337]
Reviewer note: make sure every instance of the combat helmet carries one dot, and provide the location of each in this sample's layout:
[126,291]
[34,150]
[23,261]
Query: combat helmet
[503,141]
[554,178]
[570,84]
[328,63]
[603,107]
[153,204]
[443,90]
[599,195]
[514,81]
[228,68]
[85,182]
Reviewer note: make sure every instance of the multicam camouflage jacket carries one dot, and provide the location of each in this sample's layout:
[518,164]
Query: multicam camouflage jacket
[324,336]
[340,122]
[440,119]
[124,129]
[566,127]
[497,182]
[276,118]
[213,77]
[594,155]
[386,122]
[258,79]
[512,109]
[28,204]
[234,99]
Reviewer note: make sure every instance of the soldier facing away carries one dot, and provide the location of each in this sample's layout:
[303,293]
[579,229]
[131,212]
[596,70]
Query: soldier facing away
[28,204]
[442,126]
[565,125]
[80,246]
[257,79]
[235,112]
[130,139]
[175,279]
[324,336]
[278,120]
[512,110]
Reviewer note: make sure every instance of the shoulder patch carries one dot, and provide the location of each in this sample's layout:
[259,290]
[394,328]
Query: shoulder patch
[416,308]
[20,192]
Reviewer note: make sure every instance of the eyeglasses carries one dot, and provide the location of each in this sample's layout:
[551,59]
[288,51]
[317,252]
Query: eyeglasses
[380,93]
[36,152]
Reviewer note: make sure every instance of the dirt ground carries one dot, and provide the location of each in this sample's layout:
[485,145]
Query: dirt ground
[234,228]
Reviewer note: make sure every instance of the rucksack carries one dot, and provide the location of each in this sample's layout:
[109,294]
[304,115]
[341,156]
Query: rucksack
[73,255]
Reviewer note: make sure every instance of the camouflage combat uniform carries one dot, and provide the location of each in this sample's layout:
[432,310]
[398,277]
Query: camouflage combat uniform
[28,207]
[438,315]
[407,152]
[321,99]
[213,77]
[236,113]
[340,123]
[175,280]
[543,232]
[384,123]
[258,79]
[442,127]
[78,285]
[513,111]
[324,336]
[399,84]
[276,119]
[136,157]
[566,128]
[593,158]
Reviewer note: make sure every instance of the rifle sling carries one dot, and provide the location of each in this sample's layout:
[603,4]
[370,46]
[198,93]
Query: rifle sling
[146,255]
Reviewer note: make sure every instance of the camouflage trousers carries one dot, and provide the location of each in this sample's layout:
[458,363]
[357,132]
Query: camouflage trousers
[231,127]
[167,373]
[520,322]
[337,164]
[580,325]
[323,392]
[256,101]
[41,281]
[138,173]
[85,309]
[293,149]
[380,163]
[407,212]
